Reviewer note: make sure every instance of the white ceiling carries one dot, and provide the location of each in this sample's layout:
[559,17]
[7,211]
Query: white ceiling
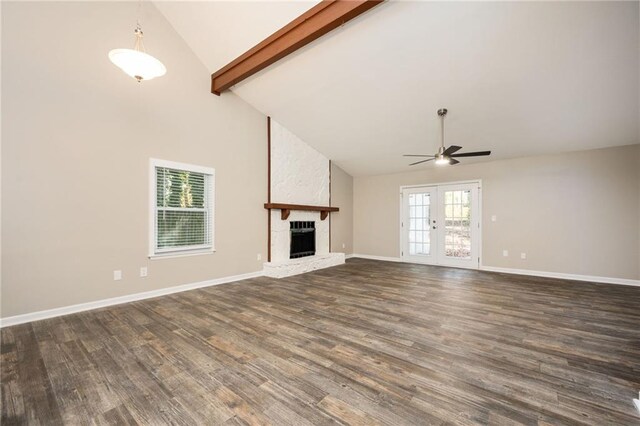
[518,78]
[220,31]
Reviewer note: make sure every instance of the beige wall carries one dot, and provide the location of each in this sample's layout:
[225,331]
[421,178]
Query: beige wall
[575,213]
[342,221]
[77,137]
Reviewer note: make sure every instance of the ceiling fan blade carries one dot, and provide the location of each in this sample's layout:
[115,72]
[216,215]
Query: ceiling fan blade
[452,149]
[453,162]
[471,154]
[423,161]
[416,155]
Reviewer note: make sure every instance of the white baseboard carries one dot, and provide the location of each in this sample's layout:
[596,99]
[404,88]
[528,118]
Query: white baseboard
[369,256]
[66,310]
[560,275]
[563,276]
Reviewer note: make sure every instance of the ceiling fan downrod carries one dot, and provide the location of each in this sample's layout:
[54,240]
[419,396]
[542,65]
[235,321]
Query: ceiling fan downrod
[440,157]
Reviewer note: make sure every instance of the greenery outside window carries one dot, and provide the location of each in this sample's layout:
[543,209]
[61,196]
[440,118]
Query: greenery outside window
[181,209]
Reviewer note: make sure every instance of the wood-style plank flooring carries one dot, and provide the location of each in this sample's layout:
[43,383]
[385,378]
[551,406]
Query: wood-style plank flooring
[364,343]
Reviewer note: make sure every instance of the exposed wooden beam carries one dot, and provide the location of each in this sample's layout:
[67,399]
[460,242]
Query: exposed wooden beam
[311,25]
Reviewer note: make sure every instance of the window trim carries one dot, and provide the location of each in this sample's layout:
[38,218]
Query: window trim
[178,252]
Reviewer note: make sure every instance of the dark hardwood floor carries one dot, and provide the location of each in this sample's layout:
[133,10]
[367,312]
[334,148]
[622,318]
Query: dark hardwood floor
[364,343]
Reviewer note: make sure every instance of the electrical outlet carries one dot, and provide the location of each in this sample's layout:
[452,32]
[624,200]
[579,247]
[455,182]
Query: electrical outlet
[344,245]
[523,255]
[505,253]
[143,272]
[494,218]
[259,256]
[117,275]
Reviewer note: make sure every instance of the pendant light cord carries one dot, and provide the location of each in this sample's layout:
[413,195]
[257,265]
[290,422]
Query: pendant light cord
[139,11]
[139,45]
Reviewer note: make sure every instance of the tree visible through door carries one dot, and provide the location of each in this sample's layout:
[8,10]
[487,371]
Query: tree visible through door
[457,222]
[440,224]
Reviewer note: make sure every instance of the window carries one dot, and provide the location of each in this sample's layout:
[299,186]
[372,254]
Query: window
[181,209]
[457,217]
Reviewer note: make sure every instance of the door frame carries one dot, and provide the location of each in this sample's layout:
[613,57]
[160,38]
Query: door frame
[431,259]
[458,182]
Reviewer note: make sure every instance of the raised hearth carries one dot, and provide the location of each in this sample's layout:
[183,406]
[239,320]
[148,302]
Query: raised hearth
[301,265]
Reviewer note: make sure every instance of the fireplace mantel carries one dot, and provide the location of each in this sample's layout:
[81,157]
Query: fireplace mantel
[285,209]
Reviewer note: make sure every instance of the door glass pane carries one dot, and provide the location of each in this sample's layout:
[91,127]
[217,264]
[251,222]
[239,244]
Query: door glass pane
[448,197]
[419,224]
[457,238]
[448,210]
[457,210]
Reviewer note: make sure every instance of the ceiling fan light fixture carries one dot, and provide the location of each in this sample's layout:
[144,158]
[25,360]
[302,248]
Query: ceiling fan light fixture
[446,156]
[136,62]
[441,160]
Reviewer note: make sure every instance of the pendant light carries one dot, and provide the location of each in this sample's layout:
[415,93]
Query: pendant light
[136,62]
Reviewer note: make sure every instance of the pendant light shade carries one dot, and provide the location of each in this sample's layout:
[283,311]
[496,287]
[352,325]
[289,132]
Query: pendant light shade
[136,62]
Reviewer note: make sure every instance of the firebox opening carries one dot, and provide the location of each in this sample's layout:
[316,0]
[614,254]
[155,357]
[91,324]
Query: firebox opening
[303,239]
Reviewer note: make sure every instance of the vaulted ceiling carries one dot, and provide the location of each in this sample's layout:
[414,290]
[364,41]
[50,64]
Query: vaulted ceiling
[518,78]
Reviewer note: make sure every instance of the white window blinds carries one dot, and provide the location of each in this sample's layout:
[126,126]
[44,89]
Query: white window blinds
[183,213]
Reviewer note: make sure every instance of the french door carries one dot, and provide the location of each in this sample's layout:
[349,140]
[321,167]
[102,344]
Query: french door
[440,225]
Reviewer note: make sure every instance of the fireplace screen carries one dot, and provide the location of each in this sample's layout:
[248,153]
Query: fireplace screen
[303,239]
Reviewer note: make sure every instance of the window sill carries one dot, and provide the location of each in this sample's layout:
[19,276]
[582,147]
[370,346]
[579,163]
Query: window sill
[171,255]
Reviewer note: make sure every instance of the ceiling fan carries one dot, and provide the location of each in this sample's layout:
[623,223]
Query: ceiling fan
[446,156]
